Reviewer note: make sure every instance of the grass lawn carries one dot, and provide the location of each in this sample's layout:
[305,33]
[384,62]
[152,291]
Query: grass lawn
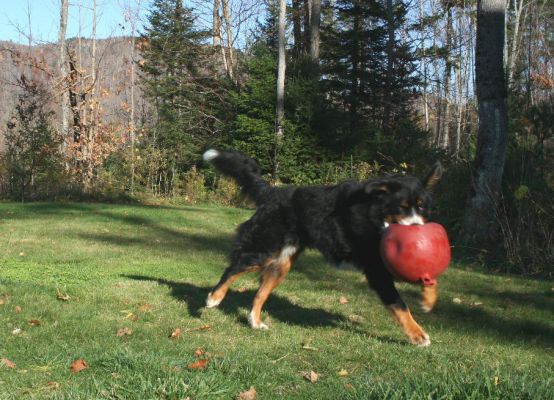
[73,276]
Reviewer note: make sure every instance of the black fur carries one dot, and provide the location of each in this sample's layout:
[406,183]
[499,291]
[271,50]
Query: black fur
[344,222]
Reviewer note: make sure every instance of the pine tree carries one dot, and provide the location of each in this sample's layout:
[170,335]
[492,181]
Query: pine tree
[359,79]
[180,80]
[32,157]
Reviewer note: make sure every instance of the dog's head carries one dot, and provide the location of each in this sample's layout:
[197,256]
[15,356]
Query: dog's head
[402,200]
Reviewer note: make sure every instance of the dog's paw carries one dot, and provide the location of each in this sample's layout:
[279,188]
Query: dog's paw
[420,339]
[255,323]
[261,326]
[211,302]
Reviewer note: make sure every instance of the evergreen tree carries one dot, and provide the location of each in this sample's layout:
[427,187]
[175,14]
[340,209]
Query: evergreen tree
[355,73]
[32,157]
[180,79]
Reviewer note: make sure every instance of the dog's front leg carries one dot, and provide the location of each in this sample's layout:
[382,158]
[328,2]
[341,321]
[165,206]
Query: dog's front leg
[429,297]
[382,282]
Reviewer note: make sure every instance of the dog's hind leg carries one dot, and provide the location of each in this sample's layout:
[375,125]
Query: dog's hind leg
[231,274]
[274,272]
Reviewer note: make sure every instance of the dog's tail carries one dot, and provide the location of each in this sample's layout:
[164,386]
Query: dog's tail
[241,168]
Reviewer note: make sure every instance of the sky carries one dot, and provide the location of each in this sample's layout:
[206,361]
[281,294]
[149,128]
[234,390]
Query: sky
[44,17]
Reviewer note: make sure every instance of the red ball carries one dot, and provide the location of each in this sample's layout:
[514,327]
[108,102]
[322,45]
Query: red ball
[416,252]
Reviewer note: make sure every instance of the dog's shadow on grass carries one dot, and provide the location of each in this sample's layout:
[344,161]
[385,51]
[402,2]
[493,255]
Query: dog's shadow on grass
[278,307]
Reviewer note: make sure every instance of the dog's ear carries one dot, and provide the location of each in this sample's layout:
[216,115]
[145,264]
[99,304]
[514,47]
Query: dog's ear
[377,187]
[433,176]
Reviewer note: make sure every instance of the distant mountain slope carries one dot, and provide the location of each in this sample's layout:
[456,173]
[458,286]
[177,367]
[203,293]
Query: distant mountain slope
[114,60]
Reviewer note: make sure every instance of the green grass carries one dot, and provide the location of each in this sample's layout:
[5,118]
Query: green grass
[150,268]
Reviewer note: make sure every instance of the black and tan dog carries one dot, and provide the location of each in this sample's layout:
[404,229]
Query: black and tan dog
[344,222]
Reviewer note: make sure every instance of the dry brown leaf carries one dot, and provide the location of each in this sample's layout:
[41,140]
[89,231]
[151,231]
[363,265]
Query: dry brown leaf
[62,296]
[311,377]
[199,364]
[200,328]
[175,334]
[34,322]
[78,365]
[18,309]
[199,352]
[7,363]
[53,385]
[250,394]
[343,300]
[124,331]
[145,307]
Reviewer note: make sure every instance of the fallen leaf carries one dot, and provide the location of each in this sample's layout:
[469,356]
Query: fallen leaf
[200,328]
[308,345]
[145,307]
[124,331]
[175,334]
[18,309]
[496,381]
[130,316]
[78,365]
[17,331]
[457,300]
[7,363]
[199,352]
[34,322]
[343,300]
[311,377]
[199,364]
[342,372]
[53,385]
[62,296]
[250,394]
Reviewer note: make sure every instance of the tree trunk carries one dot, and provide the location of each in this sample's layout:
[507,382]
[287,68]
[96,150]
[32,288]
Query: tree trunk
[227,16]
[389,73]
[297,26]
[445,136]
[280,104]
[480,220]
[307,20]
[315,20]
[216,24]
[514,53]
[63,71]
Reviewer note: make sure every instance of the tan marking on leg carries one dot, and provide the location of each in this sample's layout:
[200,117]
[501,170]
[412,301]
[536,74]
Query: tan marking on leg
[217,296]
[411,328]
[273,274]
[429,297]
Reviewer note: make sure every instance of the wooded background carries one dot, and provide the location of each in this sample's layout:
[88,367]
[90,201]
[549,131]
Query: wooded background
[316,91]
